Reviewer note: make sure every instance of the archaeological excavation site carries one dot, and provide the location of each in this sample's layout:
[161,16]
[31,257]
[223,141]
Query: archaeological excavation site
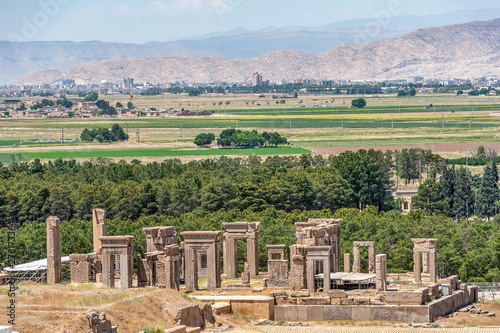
[201,285]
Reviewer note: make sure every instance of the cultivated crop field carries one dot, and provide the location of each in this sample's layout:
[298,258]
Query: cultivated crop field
[386,121]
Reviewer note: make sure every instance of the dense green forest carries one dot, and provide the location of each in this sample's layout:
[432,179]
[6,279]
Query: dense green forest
[278,192]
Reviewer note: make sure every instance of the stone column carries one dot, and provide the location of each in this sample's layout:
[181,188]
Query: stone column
[54,273]
[213,272]
[108,276]
[356,265]
[432,266]
[326,275]
[381,272]
[297,271]
[230,252]
[416,266]
[310,275]
[253,253]
[126,271]
[191,269]
[99,227]
[347,263]
[371,258]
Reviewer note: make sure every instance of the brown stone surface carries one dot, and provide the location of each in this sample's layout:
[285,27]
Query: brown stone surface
[178,329]
[81,267]
[337,293]
[313,301]
[221,308]
[99,324]
[381,271]
[54,268]
[99,227]
[245,276]
[410,297]
[356,265]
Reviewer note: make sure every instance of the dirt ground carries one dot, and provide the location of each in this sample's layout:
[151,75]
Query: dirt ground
[436,148]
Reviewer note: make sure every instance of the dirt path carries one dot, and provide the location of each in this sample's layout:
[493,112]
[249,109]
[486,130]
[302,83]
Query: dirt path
[436,148]
[103,146]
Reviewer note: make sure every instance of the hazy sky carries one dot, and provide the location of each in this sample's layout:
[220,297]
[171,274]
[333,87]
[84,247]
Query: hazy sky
[137,21]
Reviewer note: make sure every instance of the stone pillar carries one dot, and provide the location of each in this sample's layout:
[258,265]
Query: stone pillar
[253,252]
[416,266]
[356,265]
[213,266]
[381,272]
[432,266]
[310,275]
[99,227]
[425,263]
[54,273]
[347,263]
[326,275]
[108,274]
[297,268]
[230,253]
[371,258]
[191,269]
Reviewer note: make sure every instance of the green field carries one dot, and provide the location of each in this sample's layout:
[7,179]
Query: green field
[159,152]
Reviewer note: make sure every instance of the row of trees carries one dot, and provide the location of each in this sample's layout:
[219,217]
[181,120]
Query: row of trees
[104,134]
[238,138]
[456,195]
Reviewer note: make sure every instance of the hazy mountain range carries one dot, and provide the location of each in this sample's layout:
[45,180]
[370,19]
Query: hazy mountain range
[461,51]
[18,59]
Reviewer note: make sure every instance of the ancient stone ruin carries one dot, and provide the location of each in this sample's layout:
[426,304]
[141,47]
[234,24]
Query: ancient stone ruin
[82,267]
[195,241]
[356,266]
[114,250]
[54,268]
[234,232]
[426,248]
[320,288]
[99,324]
[277,266]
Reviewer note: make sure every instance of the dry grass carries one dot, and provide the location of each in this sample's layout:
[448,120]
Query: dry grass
[465,319]
[62,308]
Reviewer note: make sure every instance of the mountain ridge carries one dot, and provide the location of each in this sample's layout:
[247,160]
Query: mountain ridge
[461,51]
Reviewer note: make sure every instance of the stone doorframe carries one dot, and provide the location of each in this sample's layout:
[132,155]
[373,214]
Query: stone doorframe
[112,246]
[234,232]
[426,248]
[321,254]
[356,265]
[195,241]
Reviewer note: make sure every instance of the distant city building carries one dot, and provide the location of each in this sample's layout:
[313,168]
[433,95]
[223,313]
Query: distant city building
[128,83]
[256,79]
[68,83]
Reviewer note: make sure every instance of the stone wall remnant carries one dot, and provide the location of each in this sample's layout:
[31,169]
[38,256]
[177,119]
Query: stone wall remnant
[277,266]
[99,324]
[99,227]
[381,282]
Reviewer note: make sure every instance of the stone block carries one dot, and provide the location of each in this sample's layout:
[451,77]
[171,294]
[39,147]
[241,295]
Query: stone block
[434,291]
[412,297]
[336,301]
[313,301]
[221,308]
[337,312]
[361,301]
[300,293]
[347,301]
[193,329]
[315,312]
[337,293]
[361,313]
[178,329]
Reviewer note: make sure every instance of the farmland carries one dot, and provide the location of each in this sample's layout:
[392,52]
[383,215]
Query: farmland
[318,123]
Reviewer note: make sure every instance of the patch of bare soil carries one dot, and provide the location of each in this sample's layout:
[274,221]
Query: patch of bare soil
[436,148]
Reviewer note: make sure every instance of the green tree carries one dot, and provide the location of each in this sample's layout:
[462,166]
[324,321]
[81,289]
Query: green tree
[463,196]
[131,106]
[430,199]
[402,93]
[488,194]
[460,92]
[119,105]
[412,92]
[204,139]
[368,174]
[91,98]
[359,103]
